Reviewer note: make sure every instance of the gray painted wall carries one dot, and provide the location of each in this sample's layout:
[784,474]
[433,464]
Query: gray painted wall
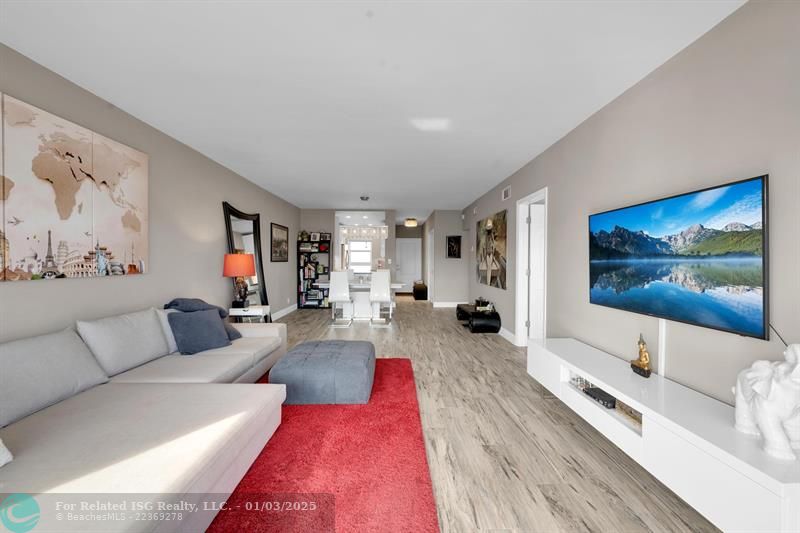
[187,229]
[402,232]
[726,107]
[322,220]
[450,283]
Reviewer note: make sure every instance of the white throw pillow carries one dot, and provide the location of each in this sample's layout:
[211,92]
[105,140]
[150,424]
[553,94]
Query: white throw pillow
[39,371]
[162,316]
[5,455]
[126,341]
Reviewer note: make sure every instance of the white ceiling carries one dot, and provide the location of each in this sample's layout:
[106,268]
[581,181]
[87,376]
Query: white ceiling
[314,100]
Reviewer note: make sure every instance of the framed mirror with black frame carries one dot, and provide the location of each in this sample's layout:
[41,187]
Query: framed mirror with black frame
[244,236]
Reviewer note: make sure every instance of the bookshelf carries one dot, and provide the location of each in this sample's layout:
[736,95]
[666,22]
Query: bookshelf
[313,265]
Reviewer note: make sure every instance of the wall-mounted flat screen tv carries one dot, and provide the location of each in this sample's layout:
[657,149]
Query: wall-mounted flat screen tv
[698,258]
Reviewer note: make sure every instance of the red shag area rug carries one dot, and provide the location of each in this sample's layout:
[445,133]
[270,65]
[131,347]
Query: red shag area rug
[342,468]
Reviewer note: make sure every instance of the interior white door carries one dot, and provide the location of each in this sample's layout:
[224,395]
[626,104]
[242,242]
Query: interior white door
[408,263]
[537,263]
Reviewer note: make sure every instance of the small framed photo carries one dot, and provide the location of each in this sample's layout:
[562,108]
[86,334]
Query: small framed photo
[279,243]
[315,236]
[454,246]
[325,236]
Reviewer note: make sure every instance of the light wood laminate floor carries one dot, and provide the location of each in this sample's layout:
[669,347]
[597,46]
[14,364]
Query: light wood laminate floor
[505,455]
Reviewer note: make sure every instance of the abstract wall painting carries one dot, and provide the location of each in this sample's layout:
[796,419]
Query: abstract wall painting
[491,250]
[74,203]
[454,246]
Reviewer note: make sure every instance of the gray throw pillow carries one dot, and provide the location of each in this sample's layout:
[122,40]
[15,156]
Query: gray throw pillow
[126,341]
[39,371]
[198,331]
[232,332]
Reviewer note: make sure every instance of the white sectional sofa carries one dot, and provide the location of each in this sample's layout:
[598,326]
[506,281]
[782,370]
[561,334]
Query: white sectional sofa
[244,361]
[173,426]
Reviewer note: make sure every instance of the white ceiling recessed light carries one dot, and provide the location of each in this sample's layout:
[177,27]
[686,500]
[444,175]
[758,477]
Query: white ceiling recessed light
[370,225]
[431,124]
[348,216]
[365,217]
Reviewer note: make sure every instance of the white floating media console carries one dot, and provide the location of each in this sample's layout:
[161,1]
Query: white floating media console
[686,439]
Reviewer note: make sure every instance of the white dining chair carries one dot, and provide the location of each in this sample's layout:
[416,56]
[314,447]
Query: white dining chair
[380,292]
[339,293]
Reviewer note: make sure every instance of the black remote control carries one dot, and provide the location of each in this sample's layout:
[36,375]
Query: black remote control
[601,397]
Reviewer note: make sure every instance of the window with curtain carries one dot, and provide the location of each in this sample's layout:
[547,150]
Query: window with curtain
[361,257]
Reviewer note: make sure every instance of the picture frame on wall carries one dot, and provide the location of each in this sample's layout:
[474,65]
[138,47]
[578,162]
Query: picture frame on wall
[278,243]
[454,246]
[491,249]
[325,236]
[315,236]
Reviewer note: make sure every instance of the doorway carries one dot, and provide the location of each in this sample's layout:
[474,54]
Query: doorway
[408,262]
[531,294]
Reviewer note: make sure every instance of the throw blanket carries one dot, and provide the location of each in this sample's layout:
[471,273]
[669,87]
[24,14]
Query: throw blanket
[189,305]
[5,455]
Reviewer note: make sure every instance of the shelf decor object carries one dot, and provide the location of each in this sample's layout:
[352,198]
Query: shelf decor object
[685,439]
[313,266]
[768,404]
[642,365]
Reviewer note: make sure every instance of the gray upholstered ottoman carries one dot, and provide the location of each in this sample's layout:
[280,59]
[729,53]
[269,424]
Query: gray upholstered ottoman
[332,372]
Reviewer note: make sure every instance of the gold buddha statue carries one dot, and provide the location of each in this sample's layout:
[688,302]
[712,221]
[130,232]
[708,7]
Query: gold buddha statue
[642,365]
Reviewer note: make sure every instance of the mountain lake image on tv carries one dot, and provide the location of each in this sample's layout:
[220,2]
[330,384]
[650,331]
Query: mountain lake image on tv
[698,258]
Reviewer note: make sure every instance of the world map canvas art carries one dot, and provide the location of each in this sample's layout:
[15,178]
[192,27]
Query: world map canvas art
[74,203]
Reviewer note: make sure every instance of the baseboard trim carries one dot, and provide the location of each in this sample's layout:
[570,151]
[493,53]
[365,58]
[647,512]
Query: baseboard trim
[510,337]
[283,312]
[447,304]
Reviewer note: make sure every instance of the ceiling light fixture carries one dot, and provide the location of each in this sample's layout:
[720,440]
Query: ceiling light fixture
[365,217]
[364,197]
[347,216]
[410,223]
[431,124]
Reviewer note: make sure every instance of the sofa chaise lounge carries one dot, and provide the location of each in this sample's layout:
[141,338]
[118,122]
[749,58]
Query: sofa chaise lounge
[170,426]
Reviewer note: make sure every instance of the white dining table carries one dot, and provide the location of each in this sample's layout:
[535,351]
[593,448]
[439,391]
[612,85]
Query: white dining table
[361,308]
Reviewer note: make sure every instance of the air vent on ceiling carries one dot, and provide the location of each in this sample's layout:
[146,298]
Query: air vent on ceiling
[505,194]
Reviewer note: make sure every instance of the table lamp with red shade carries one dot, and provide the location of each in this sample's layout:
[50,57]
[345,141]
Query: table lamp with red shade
[239,266]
